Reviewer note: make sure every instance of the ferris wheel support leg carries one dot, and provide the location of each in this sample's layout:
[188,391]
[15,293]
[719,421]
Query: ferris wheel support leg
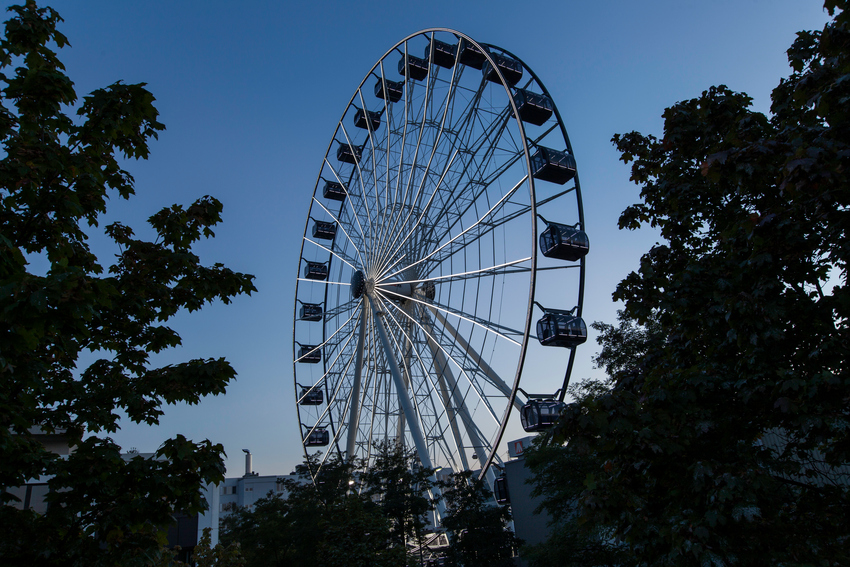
[407,407]
[446,373]
[354,413]
[495,379]
[450,413]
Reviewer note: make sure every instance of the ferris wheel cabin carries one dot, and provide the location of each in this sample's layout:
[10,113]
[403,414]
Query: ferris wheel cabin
[367,119]
[316,271]
[444,53]
[500,489]
[310,397]
[324,230]
[561,329]
[540,415]
[564,242]
[349,153]
[334,191]
[416,66]
[534,108]
[393,92]
[471,56]
[551,165]
[511,69]
[311,312]
[319,437]
[311,354]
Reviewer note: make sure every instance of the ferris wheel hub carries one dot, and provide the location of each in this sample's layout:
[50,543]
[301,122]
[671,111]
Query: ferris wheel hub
[358,284]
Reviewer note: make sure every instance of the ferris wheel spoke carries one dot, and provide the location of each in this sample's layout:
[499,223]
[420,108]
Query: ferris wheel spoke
[349,260]
[371,137]
[488,326]
[447,377]
[452,196]
[330,314]
[487,371]
[482,398]
[472,237]
[499,269]
[437,140]
[404,400]
[320,282]
[389,126]
[476,180]
[332,253]
[354,414]
[393,246]
[400,206]
[364,200]
[403,142]
[354,214]
[494,208]
[421,129]
[463,206]
[426,383]
[376,395]
[416,387]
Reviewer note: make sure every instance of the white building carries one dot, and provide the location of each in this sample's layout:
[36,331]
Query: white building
[239,492]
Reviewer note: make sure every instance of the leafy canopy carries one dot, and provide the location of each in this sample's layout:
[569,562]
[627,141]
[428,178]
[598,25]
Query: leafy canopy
[478,530]
[56,173]
[724,442]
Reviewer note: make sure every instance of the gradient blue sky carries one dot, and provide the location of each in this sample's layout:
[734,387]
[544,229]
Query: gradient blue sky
[250,93]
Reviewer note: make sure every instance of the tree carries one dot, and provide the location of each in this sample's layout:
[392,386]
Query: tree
[478,529]
[357,534]
[324,523]
[288,529]
[558,474]
[725,447]
[55,176]
[400,486]
[269,533]
[218,555]
[623,346]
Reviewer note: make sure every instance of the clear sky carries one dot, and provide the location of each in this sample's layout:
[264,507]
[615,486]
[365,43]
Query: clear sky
[250,93]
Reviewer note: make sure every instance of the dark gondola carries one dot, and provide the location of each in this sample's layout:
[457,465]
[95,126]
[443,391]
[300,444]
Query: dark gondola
[551,165]
[564,242]
[534,108]
[334,191]
[511,69]
[561,329]
[310,397]
[373,122]
[416,66]
[311,312]
[393,91]
[500,490]
[318,438]
[324,230]
[471,56]
[444,53]
[309,354]
[347,153]
[540,415]
[316,271]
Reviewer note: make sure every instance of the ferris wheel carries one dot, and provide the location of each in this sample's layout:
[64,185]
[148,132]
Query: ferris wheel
[445,221]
